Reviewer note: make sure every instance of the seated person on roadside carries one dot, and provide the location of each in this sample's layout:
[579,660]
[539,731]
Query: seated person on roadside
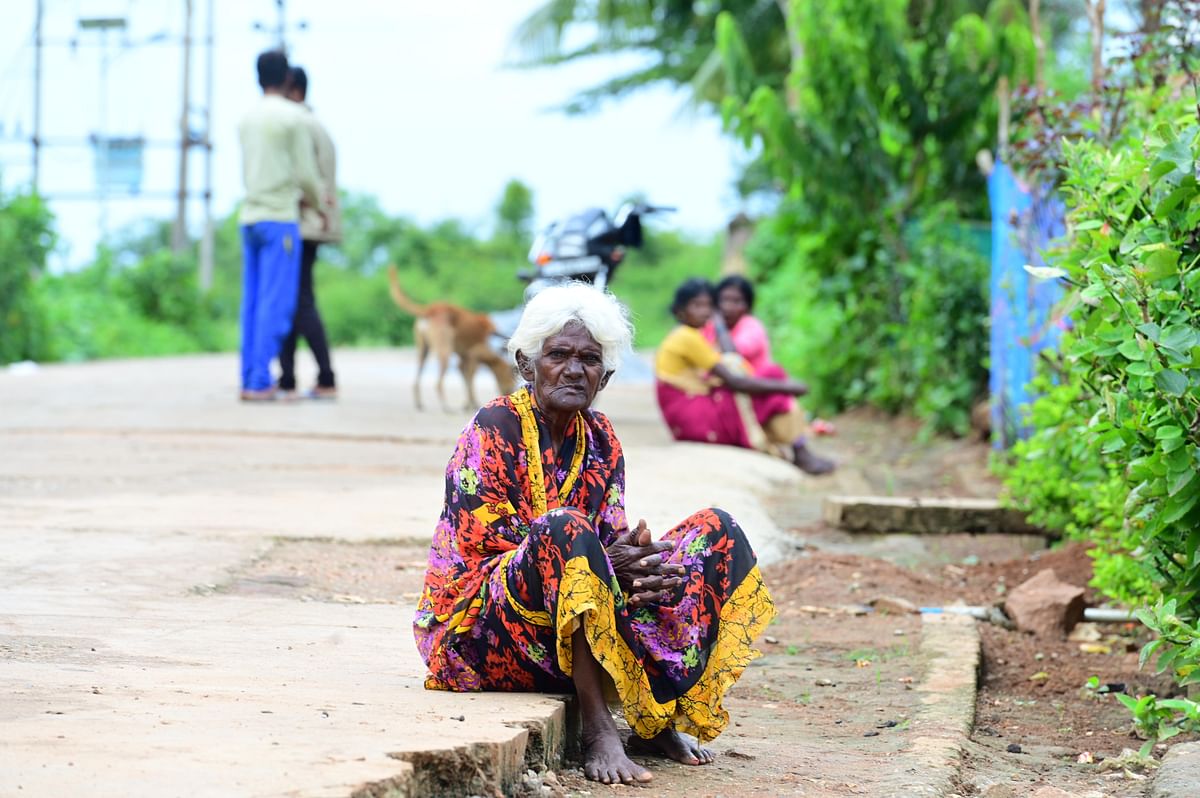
[698,391]
[735,303]
[536,582]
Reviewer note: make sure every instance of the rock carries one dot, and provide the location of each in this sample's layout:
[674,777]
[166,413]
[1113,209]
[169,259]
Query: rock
[894,605]
[1013,748]
[1045,606]
[1086,633]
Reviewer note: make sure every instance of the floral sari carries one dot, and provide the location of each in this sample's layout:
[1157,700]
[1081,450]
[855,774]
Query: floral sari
[518,563]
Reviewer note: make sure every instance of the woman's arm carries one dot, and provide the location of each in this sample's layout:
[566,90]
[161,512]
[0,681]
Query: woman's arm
[757,385]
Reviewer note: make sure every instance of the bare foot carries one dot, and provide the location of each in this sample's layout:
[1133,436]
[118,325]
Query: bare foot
[604,759]
[673,745]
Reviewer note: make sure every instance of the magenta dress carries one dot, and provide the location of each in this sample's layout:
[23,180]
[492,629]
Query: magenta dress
[751,342]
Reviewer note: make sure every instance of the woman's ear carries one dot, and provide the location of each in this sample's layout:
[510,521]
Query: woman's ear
[604,380]
[524,366]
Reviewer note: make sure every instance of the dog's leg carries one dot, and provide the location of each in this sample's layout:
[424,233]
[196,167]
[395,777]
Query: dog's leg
[443,346]
[467,366]
[421,339]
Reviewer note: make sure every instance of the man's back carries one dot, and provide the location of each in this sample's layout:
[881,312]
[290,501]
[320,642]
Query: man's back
[278,163]
[312,226]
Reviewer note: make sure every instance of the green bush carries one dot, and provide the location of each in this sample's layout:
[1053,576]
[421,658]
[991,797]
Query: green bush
[1116,454]
[26,238]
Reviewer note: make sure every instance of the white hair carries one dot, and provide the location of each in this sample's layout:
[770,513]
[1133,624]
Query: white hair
[553,308]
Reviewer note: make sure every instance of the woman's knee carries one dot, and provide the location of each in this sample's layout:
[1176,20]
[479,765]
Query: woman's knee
[725,525]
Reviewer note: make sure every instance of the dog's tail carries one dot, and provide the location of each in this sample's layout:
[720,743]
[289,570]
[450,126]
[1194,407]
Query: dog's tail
[399,297]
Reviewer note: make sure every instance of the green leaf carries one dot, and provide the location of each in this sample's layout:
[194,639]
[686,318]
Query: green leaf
[1139,368]
[1171,382]
[1172,200]
[1161,169]
[1160,264]
[1181,482]
[1179,337]
[1171,444]
[1168,432]
[1131,350]
[1177,507]
[1045,272]
[1089,224]
[1113,443]
[1150,330]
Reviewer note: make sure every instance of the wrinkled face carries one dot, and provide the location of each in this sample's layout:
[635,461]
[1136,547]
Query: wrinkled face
[732,304]
[696,312]
[568,372]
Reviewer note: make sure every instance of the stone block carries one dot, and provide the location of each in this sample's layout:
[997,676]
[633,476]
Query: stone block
[884,514]
[1044,605]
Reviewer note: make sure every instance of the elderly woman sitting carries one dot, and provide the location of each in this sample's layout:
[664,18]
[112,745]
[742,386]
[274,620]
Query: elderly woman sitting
[536,581]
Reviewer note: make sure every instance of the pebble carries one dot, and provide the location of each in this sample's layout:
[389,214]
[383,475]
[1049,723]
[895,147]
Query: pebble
[1013,748]
[871,734]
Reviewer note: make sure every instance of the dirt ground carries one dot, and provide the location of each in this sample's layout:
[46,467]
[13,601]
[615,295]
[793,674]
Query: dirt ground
[845,679]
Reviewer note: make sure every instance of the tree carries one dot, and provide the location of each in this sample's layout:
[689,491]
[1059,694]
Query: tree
[874,282]
[677,37]
[514,213]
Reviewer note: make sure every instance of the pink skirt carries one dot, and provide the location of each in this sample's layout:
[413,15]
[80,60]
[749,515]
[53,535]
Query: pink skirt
[714,418]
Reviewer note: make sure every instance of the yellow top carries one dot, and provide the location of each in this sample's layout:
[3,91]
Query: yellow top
[684,360]
[279,163]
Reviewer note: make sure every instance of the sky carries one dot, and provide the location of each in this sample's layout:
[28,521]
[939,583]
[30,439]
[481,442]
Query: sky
[424,112]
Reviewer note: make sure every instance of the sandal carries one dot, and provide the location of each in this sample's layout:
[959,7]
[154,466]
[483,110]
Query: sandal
[320,392]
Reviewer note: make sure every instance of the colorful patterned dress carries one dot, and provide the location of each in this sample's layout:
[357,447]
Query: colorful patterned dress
[518,562]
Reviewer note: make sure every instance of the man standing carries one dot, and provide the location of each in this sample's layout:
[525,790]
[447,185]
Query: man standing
[314,230]
[278,169]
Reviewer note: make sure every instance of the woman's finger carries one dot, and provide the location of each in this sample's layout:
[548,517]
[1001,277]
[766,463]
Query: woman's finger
[645,597]
[650,562]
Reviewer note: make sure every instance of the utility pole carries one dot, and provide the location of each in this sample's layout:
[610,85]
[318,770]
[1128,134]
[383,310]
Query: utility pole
[279,31]
[179,235]
[206,240]
[103,25]
[37,96]
[282,28]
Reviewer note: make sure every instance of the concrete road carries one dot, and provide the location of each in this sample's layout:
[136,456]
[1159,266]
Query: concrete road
[128,489]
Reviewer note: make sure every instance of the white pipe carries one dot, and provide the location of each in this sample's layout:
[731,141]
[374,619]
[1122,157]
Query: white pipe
[1091,615]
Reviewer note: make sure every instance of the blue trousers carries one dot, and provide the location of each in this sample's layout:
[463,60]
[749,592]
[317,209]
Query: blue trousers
[270,288]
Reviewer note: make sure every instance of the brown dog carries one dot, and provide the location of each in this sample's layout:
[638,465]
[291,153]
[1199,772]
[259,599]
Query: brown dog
[447,329]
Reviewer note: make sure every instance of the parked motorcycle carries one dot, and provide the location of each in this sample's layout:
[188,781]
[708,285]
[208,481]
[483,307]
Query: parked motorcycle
[587,247]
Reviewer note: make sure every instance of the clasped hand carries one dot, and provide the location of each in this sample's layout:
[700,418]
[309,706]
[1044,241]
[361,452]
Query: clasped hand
[641,568]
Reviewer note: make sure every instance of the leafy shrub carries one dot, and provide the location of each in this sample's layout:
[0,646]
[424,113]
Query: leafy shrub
[26,238]
[1117,453]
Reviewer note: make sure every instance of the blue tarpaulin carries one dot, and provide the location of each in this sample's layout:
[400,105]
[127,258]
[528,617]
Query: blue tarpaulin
[1023,318]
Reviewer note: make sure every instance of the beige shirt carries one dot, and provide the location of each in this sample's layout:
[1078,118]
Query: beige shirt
[311,226]
[278,162]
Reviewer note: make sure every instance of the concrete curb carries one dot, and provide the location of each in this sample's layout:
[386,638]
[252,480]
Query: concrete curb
[943,723]
[1179,774]
[491,768]
[930,516]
